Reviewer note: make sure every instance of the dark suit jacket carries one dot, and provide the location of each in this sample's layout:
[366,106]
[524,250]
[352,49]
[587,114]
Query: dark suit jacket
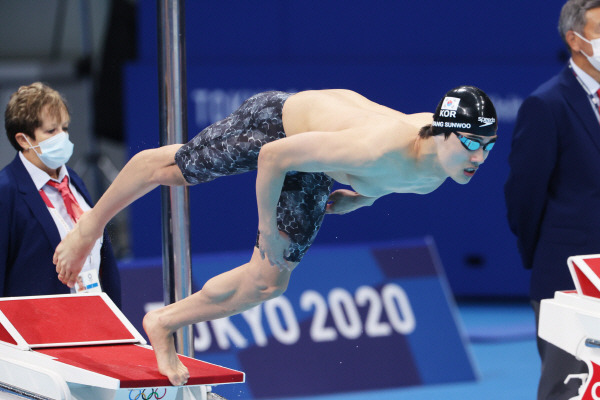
[553,189]
[29,236]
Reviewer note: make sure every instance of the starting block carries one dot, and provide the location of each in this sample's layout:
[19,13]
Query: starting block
[72,347]
[571,321]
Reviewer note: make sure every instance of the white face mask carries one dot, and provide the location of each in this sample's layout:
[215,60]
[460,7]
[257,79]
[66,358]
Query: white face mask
[594,59]
[56,150]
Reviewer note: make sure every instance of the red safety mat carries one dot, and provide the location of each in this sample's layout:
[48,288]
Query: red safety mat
[587,287]
[62,320]
[135,366]
[5,336]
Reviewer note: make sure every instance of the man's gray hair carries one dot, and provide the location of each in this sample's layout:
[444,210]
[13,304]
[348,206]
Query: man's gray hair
[572,16]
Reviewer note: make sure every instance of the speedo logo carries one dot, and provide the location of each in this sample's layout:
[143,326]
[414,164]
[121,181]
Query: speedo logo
[486,121]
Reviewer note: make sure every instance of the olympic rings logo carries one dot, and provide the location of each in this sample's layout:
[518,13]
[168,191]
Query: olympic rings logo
[141,394]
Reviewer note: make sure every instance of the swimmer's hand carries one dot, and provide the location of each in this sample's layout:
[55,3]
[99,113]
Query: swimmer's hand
[71,253]
[273,247]
[343,201]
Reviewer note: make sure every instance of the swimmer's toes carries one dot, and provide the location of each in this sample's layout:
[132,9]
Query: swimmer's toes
[177,380]
[180,376]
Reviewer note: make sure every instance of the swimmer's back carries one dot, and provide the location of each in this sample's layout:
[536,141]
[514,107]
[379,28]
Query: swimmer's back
[331,110]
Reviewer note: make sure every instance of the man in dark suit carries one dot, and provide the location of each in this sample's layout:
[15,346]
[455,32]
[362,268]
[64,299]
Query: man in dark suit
[553,190]
[41,199]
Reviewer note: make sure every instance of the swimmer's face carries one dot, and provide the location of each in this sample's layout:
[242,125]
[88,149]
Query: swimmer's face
[457,160]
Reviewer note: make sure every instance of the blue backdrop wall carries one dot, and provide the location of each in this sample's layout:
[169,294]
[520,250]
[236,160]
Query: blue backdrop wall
[404,55]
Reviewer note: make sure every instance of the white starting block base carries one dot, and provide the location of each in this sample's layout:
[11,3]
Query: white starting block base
[37,375]
[98,356]
[568,320]
[571,321]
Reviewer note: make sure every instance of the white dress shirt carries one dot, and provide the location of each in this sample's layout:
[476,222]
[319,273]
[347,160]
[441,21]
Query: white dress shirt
[61,217]
[590,85]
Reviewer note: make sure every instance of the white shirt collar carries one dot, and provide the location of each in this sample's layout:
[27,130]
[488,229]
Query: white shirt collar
[40,177]
[591,84]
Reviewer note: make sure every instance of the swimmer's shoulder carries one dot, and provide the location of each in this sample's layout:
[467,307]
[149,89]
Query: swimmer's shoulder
[339,99]
[418,119]
[328,95]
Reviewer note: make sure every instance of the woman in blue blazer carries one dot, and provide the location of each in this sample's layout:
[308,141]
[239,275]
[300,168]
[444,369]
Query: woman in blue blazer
[29,231]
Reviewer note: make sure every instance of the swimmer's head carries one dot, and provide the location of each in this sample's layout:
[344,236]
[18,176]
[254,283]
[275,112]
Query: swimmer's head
[463,109]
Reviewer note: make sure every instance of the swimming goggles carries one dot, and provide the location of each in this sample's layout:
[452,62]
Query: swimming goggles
[473,145]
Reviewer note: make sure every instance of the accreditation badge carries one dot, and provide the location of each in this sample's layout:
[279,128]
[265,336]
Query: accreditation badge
[88,282]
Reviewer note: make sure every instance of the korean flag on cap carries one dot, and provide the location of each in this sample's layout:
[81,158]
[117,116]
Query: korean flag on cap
[450,103]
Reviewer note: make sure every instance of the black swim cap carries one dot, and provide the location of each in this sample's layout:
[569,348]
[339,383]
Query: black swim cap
[465,109]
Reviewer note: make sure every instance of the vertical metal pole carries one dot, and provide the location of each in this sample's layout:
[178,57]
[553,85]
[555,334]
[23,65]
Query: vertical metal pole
[173,123]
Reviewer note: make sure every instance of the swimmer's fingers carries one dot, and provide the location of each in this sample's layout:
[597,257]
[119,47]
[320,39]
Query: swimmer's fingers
[261,252]
[335,195]
[331,202]
[275,248]
[330,208]
[264,254]
[278,262]
[283,253]
[340,202]
[286,264]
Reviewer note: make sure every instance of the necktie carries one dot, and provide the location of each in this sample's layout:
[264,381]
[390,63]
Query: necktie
[73,208]
[598,104]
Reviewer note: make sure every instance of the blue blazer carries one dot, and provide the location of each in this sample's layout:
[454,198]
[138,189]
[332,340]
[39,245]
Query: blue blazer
[553,189]
[28,237]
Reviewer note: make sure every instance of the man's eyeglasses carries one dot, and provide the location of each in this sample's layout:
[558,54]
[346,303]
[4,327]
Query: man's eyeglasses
[473,145]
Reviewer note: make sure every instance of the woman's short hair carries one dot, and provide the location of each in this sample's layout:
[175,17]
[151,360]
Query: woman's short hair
[24,110]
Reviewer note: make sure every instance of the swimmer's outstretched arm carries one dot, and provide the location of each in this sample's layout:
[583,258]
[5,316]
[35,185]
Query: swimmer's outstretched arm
[346,151]
[145,171]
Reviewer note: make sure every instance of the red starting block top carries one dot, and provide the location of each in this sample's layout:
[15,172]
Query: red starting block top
[585,271]
[56,321]
[89,332]
[135,366]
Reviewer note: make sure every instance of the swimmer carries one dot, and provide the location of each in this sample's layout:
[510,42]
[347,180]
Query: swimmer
[299,144]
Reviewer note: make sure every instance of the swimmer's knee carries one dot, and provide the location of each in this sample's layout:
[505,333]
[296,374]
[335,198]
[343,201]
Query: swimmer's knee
[161,163]
[169,176]
[158,157]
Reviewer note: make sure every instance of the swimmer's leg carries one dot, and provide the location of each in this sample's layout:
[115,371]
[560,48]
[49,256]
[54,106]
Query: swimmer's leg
[145,171]
[231,146]
[227,294]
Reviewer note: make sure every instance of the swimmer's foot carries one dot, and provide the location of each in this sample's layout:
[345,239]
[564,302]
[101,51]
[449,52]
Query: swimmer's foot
[161,340]
[73,250]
